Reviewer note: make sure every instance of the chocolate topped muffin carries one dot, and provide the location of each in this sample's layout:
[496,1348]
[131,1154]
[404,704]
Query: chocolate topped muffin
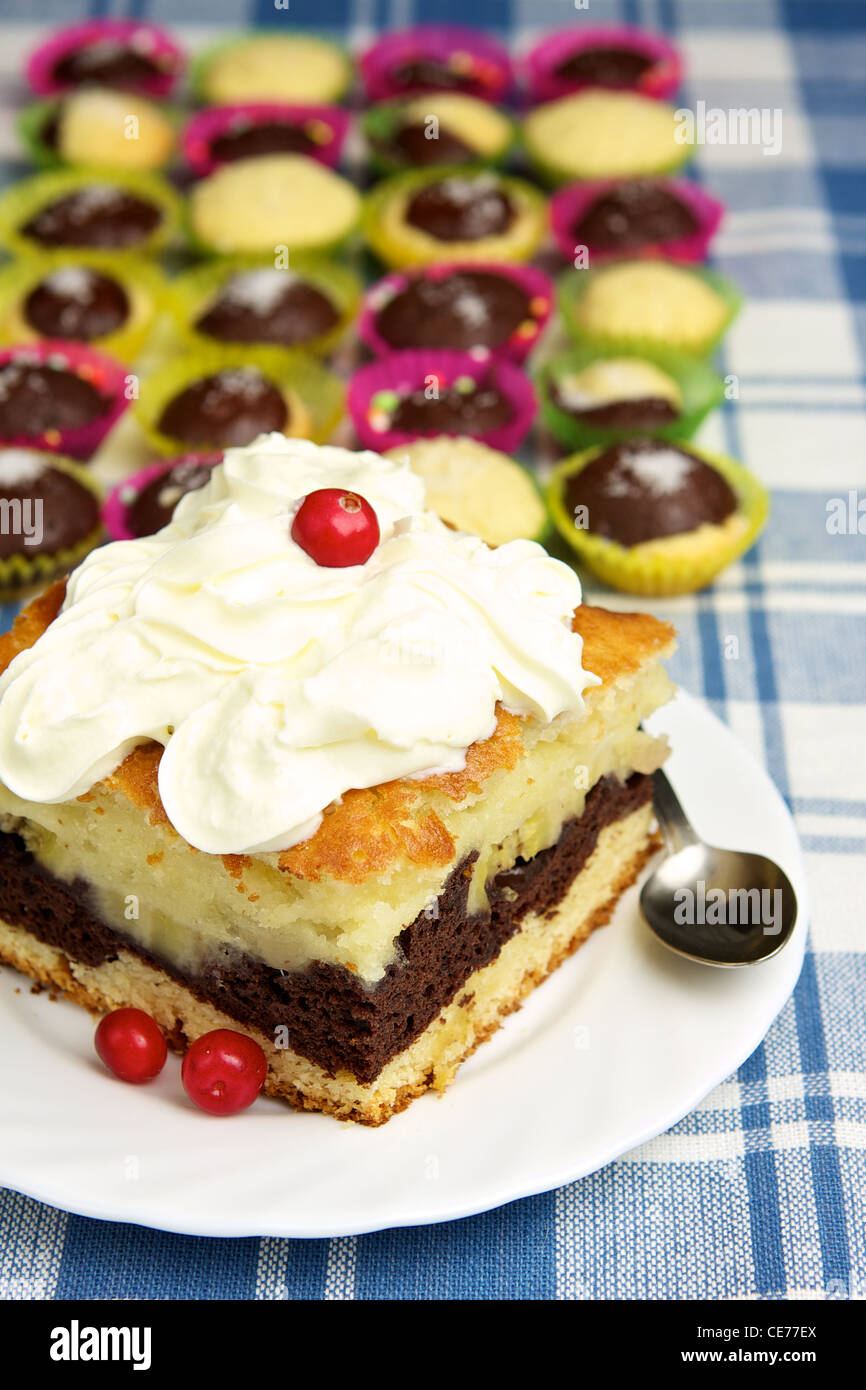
[617,393]
[268,306]
[96,214]
[462,208]
[77,302]
[430,75]
[605,66]
[262,137]
[466,407]
[230,407]
[637,213]
[412,143]
[152,508]
[108,63]
[65,512]
[469,309]
[633,413]
[646,489]
[36,398]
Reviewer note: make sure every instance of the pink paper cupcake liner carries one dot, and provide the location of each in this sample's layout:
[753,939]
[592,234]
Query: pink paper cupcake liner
[569,204]
[404,372]
[331,123]
[538,287]
[544,83]
[487,60]
[117,503]
[153,41]
[103,372]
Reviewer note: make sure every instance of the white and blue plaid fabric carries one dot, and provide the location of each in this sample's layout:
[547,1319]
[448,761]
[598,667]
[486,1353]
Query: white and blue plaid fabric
[761,1192]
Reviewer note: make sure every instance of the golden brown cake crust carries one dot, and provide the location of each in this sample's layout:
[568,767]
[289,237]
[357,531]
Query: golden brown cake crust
[372,830]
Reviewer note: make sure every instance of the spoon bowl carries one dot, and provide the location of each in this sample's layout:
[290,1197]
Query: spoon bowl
[715,906]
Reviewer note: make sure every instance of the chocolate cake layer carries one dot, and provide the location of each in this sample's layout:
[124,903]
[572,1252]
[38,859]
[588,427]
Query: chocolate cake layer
[332,1017]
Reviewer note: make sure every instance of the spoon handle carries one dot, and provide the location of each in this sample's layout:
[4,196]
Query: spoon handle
[673,820]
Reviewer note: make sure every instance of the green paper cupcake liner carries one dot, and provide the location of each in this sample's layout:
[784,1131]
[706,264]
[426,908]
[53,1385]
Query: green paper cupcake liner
[20,573]
[202,63]
[673,564]
[145,286]
[313,394]
[23,200]
[701,390]
[31,123]
[380,123]
[190,293]
[574,283]
[399,245]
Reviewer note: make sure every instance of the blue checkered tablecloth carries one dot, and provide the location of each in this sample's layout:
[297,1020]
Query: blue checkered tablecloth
[760,1192]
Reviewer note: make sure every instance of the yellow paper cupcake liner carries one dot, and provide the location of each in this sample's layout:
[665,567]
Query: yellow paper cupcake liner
[399,246]
[314,396]
[19,572]
[673,564]
[145,286]
[191,292]
[22,200]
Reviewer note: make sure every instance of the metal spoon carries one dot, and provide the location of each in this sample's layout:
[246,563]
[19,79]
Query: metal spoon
[715,906]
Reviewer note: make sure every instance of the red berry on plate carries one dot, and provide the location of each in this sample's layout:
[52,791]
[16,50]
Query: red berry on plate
[223,1071]
[130,1044]
[336,527]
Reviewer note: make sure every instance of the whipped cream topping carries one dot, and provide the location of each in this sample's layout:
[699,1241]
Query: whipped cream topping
[276,685]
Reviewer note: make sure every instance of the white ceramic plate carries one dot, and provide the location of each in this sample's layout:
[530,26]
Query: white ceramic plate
[616,1047]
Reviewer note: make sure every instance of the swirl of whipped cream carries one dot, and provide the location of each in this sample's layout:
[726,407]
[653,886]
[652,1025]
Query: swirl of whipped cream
[275,685]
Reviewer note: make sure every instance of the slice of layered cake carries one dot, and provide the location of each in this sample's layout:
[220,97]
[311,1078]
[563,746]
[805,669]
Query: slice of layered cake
[309,764]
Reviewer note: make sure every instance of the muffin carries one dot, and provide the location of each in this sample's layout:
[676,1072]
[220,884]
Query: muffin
[477,489]
[278,200]
[100,211]
[614,56]
[144,503]
[121,53]
[272,67]
[651,517]
[436,58]
[635,217]
[425,216]
[59,397]
[91,297]
[222,397]
[597,397]
[413,394]
[604,135]
[101,128]
[224,134]
[442,128]
[647,305]
[487,310]
[52,506]
[249,300]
